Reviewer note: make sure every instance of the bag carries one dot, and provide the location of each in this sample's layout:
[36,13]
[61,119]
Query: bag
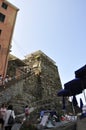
[11,120]
[1,116]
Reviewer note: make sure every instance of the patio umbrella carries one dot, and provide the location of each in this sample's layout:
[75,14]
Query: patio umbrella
[74,86]
[63,92]
[80,73]
[83,81]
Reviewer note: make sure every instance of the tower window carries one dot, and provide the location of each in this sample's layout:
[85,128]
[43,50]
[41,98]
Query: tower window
[2,17]
[4,5]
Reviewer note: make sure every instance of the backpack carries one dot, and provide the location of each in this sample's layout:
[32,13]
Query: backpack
[11,120]
[1,115]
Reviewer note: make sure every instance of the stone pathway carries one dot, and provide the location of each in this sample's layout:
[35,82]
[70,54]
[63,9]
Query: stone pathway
[16,126]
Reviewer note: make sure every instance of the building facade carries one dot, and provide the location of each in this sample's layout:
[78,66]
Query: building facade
[8,14]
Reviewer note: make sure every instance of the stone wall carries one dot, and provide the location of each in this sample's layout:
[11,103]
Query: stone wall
[47,81]
[38,88]
[11,90]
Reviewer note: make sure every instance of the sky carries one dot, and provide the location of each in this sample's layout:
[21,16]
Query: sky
[56,27]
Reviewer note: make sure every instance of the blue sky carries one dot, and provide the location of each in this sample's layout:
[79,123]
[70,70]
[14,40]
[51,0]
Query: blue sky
[57,27]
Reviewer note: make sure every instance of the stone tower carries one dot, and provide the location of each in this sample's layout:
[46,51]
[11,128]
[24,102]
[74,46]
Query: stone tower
[46,81]
[8,13]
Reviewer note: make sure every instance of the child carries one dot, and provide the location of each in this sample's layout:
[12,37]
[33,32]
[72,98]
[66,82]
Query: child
[26,111]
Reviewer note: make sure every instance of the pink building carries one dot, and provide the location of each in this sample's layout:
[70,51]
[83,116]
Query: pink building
[8,14]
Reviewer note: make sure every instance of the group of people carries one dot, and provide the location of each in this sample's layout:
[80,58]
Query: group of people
[5,113]
[4,80]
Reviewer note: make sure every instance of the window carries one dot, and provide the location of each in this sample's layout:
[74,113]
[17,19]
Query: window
[2,17]
[4,5]
[0,31]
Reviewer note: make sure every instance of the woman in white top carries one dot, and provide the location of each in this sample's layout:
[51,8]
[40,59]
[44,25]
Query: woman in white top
[9,112]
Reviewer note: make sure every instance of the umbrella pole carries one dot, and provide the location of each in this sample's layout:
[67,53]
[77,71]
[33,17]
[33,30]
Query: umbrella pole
[73,109]
[84,95]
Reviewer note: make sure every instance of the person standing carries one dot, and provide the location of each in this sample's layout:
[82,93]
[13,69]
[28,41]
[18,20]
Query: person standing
[9,112]
[41,114]
[26,111]
[1,80]
[2,114]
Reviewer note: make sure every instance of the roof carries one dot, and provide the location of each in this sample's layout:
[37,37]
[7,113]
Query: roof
[39,52]
[18,61]
[11,5]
